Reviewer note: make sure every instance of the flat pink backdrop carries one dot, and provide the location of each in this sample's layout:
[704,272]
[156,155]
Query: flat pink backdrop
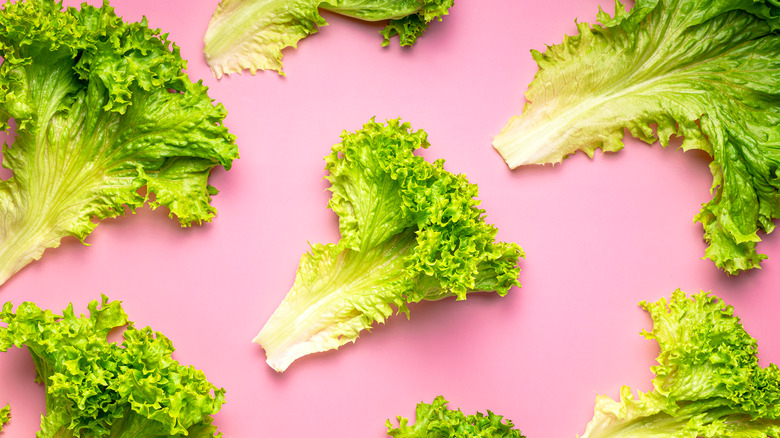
[600,235]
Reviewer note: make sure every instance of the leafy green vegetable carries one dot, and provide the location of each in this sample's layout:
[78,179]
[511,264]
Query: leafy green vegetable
[410,231]
[436,420]
[250,34]
[102,109]
[708,382]
[5,415]
[707,70]
[99,389]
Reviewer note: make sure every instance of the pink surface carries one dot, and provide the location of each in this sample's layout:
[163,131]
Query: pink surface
[600,235]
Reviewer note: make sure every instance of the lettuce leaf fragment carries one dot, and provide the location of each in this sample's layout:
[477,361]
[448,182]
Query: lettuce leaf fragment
[5,416]
[437,420]
[102,109]
[250,34]
[99,389]
[708,71]
[708,382]
[410,231]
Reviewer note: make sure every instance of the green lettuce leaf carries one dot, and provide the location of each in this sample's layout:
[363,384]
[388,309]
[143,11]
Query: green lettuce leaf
[99,389]
[5,416]
[708,382]
[706,70]
[410,231]
[437,420]
[102,108]
[250,34]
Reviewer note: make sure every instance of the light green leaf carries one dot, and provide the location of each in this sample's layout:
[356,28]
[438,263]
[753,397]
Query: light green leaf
[704,70]
[251,34]
[437,420]
[708,382]
[99,389]
[5,416]
[410,231]
[103,108]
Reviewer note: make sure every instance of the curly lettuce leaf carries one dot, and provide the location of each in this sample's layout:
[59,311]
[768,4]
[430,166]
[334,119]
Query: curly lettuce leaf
[410,231]
[99,389]
[708,71]
[437,420]
[102,108]
[708,382]
[250,34]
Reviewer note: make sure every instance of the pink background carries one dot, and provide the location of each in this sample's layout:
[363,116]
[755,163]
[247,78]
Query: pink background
[600,236]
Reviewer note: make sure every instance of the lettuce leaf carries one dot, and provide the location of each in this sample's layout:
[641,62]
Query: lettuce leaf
[437,420]
[99,389]
[706,70]
[708,382]
[250,34]
[410,231]
[5,416]
[102,108]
